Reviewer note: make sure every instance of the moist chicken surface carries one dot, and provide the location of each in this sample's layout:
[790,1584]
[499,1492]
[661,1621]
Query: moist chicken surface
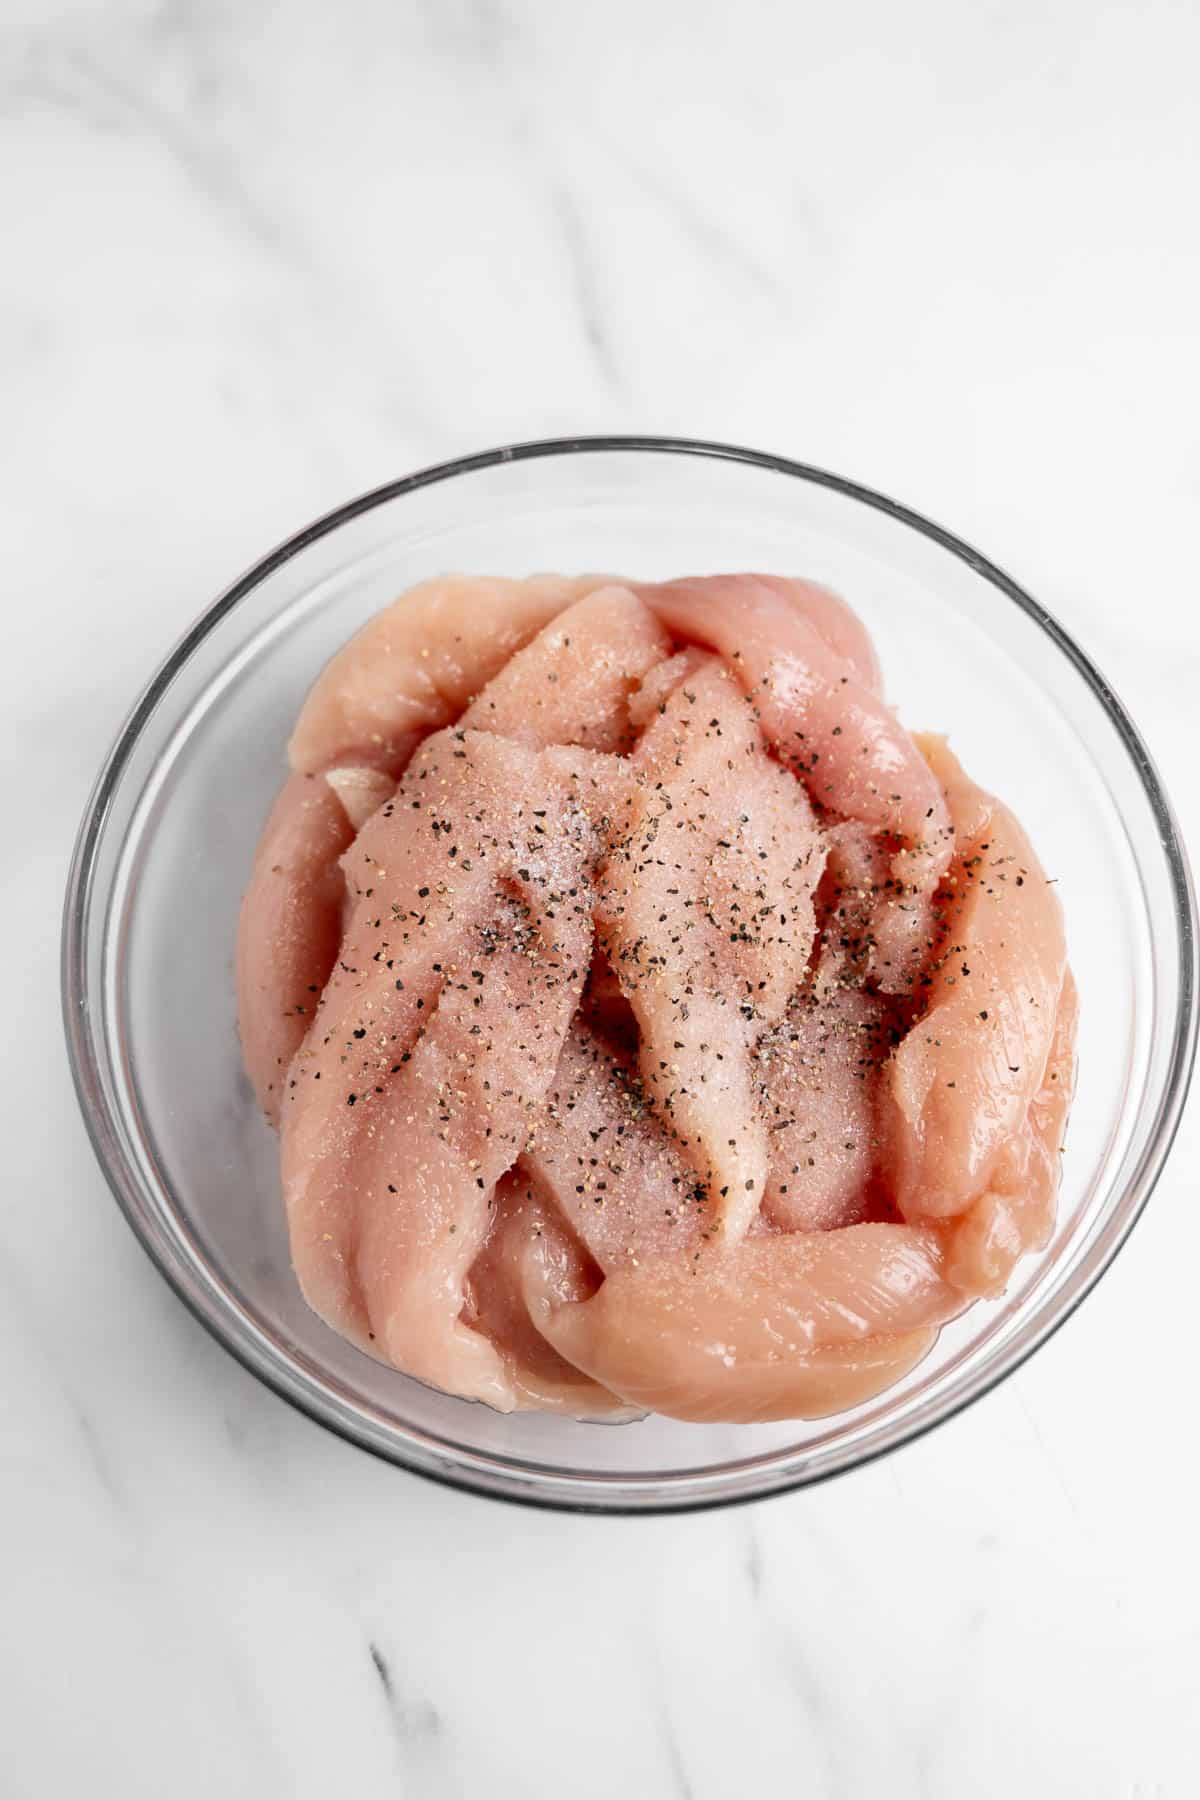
[651,1022]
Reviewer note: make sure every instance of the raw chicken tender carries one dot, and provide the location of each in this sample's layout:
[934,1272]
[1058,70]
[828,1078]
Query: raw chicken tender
[291,922]
[705,915]
[962,1083]
[650,1021]
[820,1072]
[819,706]
[435,1039]
[613,1169]
[777,1328]
[524,1225]
[416,665]
[572,684]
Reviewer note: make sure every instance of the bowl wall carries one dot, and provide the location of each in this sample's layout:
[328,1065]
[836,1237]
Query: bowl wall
[166,848]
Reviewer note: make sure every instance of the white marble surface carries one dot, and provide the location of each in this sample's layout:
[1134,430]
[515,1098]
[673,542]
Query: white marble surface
[259,257]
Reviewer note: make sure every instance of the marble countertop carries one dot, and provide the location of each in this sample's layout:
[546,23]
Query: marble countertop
[259,258]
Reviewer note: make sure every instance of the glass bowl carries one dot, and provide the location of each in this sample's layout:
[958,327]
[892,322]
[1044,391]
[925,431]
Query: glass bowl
[165,849]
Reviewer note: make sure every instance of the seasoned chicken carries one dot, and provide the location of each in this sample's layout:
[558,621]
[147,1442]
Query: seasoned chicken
[651,1022]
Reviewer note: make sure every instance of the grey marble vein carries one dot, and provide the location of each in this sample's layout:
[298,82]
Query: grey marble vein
[753,1562]
[716,243]
[673,1748]
[585,283]
[412,1719]
[1047,1454]
[20,1306]
[829,1717]
[80,84]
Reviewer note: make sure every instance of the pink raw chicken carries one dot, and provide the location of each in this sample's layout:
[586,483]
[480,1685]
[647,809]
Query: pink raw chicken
[819,707]
[678,1034]
[778,1328]
[611,1168]
[416,665]
[495,1303]
[436,1038]
[879,928]
[962,1085]
[290,924]
[1016,1214]
[820,1076]
[704,911]
[572,683]
[834,621]
[361,791]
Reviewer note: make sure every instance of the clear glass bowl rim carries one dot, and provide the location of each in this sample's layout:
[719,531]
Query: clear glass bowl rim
[482,1473]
